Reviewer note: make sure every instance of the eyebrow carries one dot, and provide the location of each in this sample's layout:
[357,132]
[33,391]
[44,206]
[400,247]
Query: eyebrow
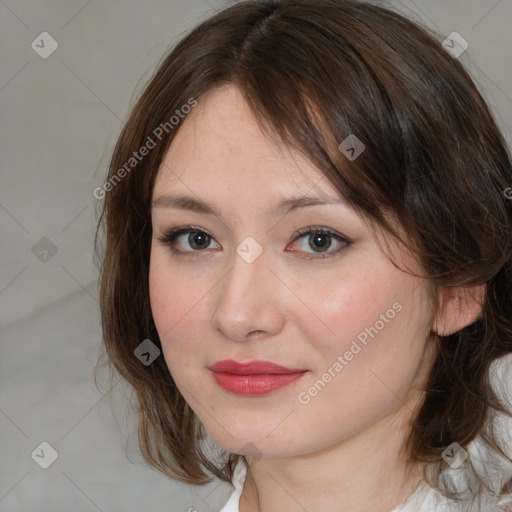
[283,208]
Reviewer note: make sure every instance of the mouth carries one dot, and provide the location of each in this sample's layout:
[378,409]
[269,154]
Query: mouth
[254,378]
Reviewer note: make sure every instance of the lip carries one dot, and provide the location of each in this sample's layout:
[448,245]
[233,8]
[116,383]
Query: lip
[256,367]
[253,378]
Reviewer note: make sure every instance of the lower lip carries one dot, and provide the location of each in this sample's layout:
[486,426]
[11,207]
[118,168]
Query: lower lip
[254,384]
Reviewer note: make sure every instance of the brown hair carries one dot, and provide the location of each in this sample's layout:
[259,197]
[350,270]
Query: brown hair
[314,72]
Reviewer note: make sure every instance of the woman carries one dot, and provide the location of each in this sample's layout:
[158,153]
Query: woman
[309,263]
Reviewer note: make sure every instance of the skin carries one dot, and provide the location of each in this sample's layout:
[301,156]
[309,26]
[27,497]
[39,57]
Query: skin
[345,444]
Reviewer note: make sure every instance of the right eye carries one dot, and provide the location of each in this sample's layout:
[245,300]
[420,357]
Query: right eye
[195,237]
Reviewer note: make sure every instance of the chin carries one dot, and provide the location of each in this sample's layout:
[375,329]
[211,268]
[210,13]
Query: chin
[249,442]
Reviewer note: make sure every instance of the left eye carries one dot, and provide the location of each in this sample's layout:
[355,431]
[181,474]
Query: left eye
[320,240]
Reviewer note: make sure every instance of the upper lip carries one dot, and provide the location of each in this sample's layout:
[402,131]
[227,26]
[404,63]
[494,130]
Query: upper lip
[252,368]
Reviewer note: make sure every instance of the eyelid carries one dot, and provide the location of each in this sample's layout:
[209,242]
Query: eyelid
[320,229]
[175,232]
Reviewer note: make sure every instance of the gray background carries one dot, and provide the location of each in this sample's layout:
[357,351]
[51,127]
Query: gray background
[60,117]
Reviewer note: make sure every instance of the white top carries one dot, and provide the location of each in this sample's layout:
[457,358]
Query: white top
[427,499]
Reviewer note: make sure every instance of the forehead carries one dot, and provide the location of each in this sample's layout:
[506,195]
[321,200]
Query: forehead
[220,142]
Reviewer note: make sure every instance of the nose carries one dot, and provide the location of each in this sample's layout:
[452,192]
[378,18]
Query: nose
[248,301]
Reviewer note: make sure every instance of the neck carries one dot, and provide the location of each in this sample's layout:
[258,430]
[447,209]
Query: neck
[367,472]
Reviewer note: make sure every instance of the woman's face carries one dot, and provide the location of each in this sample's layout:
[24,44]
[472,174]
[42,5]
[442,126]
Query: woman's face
[256,287]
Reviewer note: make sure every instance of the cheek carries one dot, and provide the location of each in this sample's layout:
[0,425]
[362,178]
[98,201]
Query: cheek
[177,303]
[348,303]
[373,322]
[379,325]
[162,293]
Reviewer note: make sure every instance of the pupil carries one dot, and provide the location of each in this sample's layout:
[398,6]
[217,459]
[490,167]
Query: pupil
[197,240]
[319,241]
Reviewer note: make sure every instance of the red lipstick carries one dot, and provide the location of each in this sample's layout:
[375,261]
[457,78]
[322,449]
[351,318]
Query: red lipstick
[255,377]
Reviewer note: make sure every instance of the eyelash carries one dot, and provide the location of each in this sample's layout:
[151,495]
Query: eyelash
[170,238]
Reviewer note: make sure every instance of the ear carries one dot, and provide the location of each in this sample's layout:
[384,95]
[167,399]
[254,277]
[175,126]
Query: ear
[459,307]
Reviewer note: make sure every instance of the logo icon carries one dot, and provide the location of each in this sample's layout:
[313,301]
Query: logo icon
[250,448]
[455,45]
[454,455]
[44,45]
[352,147]
[147,352]
[45,455]
[249,249]
[44,250]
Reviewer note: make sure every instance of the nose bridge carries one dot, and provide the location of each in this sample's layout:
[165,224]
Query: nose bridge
[246,301]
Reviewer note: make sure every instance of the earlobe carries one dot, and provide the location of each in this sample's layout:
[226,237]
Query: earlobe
[459,307]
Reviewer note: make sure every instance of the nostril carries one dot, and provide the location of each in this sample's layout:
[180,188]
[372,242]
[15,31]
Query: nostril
[256,334]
